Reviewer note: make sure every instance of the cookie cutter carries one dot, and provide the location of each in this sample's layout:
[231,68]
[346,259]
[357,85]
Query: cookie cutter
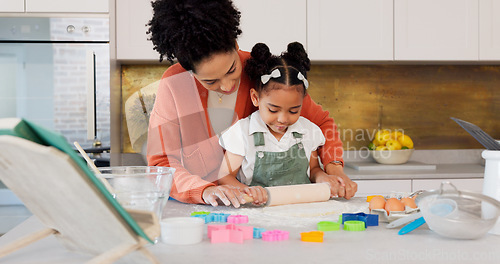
[328,226]
[229,233]
[237,219]
[275,235]
[313,236]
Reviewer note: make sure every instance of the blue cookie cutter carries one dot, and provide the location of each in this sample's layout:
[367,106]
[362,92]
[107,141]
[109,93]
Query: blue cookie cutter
[257,232]
[211,217]
[369,219]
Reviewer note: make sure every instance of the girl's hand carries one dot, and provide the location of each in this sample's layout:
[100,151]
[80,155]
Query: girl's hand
[257,193]
[227,194]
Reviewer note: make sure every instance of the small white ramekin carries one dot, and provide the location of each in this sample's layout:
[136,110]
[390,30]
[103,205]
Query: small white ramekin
[182,230]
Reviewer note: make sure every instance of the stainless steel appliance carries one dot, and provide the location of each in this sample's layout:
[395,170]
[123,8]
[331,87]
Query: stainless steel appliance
[55,72]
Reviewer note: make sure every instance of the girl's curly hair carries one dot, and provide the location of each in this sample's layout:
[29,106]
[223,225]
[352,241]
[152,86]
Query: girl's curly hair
[289,63]
[192,30]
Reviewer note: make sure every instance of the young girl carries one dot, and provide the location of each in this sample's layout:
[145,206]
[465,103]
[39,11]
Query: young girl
[274,145]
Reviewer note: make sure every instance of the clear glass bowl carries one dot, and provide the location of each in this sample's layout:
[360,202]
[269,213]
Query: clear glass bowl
[139,187]
[474,216]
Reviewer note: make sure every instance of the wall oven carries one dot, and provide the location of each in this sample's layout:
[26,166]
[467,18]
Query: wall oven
[55,72]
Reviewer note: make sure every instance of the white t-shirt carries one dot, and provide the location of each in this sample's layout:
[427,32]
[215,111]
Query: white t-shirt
[238,139]
[221,112]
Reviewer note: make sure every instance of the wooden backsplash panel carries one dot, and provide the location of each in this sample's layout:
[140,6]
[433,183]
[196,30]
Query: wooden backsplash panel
[362,98]
[417,98]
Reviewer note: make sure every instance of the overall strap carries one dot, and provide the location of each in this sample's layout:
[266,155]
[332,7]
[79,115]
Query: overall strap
[296,135]
[258,138]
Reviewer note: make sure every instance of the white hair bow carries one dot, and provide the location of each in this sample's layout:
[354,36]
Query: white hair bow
[266,77]
[303,79]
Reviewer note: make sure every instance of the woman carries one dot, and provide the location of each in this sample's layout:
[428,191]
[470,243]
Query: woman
[204,94]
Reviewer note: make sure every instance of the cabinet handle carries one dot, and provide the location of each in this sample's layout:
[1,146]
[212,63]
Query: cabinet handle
[91,98]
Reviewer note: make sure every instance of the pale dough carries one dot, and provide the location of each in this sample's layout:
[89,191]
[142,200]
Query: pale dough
[305,215]
[331,207]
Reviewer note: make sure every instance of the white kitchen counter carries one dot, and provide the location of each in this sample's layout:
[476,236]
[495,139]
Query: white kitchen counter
[374,245]
[463,168]
[442,171]
[450,164]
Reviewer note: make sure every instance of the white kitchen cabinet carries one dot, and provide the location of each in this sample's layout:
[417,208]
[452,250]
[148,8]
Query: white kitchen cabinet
[54,6]
[381,187]
[473,185]
[131,39]
[489,29]
[350,30]
[258,24]
[11,5]
[67,6]
[436,30]
[274,22]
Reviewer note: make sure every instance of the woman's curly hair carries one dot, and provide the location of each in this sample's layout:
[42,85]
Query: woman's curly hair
[289,63]
[192,30]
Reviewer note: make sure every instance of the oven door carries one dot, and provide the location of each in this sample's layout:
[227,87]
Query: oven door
[48,83]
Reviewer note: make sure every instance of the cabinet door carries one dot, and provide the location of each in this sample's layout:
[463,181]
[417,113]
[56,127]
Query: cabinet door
[381,187]
[72,6]
[436,29]
[489,30]
[274,22]
[350,29]
[131,38]
[11,5]
[474,185]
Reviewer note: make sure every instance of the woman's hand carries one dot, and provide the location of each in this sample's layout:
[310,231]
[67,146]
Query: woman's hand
[336,183]
[257,193]
[227,194]
[350,187]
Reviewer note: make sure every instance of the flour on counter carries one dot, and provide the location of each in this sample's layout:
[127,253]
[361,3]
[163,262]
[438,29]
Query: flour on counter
[293,215]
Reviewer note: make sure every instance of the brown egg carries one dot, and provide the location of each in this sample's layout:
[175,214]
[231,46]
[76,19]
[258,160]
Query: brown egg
[377,202]
[394,204]
[410,202]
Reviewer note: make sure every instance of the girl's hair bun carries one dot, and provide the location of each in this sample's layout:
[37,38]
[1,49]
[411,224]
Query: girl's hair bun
[258,64]
[260,53]
[290,63]
[296,53]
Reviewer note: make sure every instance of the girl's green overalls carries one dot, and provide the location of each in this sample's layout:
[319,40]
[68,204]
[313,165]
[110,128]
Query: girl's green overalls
[280,168]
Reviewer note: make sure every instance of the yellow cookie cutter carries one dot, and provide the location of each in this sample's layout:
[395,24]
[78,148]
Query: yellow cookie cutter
[368,198]
[313,236]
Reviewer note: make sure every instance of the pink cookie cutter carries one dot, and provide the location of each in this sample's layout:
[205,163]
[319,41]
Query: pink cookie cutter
[229,233]
[237,219]
[275,235]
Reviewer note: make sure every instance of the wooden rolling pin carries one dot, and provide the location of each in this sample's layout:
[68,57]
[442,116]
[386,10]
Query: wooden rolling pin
[293,194]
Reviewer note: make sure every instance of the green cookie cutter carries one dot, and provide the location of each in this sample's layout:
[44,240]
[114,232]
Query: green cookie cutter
[328,226]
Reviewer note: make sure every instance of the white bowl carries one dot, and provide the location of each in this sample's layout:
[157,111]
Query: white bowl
[392,156]
[182,230]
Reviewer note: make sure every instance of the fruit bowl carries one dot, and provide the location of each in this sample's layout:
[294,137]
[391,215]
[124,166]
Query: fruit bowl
[392,156]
